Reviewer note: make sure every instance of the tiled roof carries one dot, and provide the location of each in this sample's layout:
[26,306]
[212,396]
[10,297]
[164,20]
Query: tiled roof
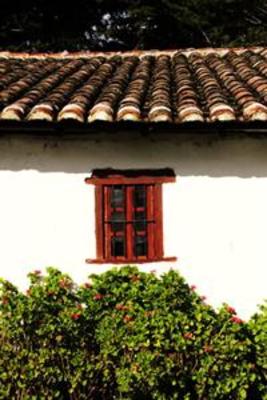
[174,86]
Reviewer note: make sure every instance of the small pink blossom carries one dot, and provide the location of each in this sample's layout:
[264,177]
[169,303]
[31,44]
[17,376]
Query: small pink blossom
[236,320]
[64,283]
[207,349]
[188,335]
[75,316]
[231,310]
[121,307]
[193,287]
[135,278]
[5,300]
[127,318]
[98,296]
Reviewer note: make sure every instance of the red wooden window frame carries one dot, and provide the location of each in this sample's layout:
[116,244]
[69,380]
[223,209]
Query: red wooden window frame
[151,181]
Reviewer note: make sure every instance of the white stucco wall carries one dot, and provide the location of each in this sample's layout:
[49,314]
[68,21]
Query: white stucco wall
[215,215]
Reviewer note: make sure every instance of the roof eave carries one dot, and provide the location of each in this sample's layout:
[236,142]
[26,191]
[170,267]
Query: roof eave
[71,127]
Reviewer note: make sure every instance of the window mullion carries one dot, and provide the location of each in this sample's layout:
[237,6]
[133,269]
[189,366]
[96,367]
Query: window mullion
[129,223]
[107,216]
[100,233]
[150,225]
[158,220]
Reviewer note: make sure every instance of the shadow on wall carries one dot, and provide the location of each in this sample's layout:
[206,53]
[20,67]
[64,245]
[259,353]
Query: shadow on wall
[213,155]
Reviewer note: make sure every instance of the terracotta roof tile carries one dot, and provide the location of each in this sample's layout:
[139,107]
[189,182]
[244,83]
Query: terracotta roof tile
[173,86]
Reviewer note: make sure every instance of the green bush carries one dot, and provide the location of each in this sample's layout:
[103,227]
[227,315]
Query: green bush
[258,326]
[126,335]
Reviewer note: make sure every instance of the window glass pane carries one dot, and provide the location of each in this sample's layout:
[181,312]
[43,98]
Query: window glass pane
[140,246]
[117,196]
[139,196]
[117,221]
[140,221]
[117,246]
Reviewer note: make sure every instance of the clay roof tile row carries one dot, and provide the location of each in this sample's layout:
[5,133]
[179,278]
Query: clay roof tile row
[176,87]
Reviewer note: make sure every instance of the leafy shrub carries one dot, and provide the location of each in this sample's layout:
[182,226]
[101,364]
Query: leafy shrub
[125,335]
[258,325]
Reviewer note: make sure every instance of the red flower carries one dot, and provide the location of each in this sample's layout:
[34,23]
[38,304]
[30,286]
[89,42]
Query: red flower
[75,316]
[121,307]
[231,310]
[5,300]
[188,335]
[64,283]
[193,287]
[207,349]
[98,296]
[236,320]
[127,318]
[135,278]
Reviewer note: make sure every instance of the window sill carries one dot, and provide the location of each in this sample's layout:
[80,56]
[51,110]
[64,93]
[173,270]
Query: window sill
[136,261]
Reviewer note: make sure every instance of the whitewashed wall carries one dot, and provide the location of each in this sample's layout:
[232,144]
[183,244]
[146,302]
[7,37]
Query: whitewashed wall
[215,215]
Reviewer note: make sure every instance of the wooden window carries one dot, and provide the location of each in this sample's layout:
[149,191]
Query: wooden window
[129,224]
